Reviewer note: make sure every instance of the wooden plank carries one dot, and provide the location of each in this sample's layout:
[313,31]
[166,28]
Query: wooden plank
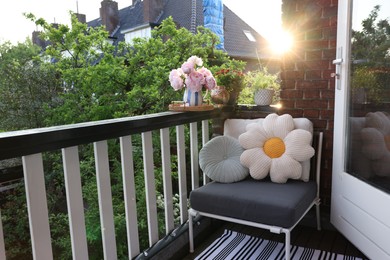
[2,245]
[74,200]
[181,161]
[205,139]
[18,143]
[38,215]
[327,240]
[105,199]
[194,155]
[167,180]
[129,195]
[205,132]
[150,187]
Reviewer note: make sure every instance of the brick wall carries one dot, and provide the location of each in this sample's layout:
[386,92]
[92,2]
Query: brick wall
[307,85]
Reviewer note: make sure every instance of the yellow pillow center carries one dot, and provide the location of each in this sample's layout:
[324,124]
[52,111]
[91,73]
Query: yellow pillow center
[274,147]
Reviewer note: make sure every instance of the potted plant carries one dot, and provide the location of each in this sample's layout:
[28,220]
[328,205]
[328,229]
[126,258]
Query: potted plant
[193,77]
[230,81]
[263,84]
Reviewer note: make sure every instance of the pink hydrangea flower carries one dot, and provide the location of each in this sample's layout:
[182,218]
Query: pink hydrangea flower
[205,72]
[195,81]
[195,60]
[210,82]
[188,67]
[192,76]
[176,80]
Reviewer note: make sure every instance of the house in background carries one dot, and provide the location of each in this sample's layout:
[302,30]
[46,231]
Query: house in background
[240,40]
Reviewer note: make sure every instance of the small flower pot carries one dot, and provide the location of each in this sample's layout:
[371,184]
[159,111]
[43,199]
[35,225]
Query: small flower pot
[263,97]
[219,95]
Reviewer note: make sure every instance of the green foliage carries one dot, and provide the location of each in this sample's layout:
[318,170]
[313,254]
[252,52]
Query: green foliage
[246,96]
[372,43]
[230,75]
[371,56]
[26,86]
[363,77]
[94,76]
[261,79]
[89,79]
[14,218]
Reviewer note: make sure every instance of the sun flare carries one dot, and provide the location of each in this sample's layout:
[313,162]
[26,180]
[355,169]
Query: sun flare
[281,42]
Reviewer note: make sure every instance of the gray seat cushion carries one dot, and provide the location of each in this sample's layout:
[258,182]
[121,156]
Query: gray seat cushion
[257,201]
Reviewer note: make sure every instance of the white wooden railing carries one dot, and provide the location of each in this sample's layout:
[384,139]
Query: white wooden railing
[30,144]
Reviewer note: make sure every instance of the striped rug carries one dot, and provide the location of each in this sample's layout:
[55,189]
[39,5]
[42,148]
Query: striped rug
[234,245]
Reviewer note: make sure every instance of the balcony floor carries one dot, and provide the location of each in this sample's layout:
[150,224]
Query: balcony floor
[305,234]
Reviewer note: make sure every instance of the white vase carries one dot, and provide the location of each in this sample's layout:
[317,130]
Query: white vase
[263,97]
[192,98]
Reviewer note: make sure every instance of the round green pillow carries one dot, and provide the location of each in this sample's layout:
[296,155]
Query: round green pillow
[220,160]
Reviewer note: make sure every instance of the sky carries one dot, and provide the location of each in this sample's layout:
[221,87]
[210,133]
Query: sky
[362,9]
[14,27]
[262,15]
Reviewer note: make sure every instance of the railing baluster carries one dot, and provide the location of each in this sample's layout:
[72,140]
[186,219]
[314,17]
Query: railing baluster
[167,180]
[150,187]
[181,161]
[105,199]
[129,195]
[205,139]
[205,131]
[37,206]
[74,199]
[2,246]
[37,141]
[194,155]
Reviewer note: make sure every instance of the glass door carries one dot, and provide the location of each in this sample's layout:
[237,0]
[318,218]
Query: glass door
[361,156]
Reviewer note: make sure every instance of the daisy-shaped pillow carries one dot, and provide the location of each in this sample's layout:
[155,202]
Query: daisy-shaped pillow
[275,148]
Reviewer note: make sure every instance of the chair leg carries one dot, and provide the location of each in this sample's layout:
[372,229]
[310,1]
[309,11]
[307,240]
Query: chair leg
[190,231]
[318,217]
[288,244]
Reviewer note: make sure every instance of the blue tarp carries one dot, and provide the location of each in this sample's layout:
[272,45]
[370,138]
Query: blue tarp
[213,18]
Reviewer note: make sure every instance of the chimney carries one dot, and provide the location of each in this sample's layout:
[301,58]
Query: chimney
[81,18]
[109,14]
[37,39]
[152,9]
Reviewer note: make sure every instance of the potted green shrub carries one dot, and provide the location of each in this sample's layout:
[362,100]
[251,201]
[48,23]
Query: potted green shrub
[230,77]
[263,84]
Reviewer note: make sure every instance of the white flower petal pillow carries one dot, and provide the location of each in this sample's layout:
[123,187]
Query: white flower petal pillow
[220,160]
[275,147]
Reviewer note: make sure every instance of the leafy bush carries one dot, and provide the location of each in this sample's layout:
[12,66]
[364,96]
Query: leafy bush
[96,80]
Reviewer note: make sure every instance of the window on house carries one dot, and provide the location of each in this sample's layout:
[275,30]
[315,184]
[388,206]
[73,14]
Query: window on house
[250,36]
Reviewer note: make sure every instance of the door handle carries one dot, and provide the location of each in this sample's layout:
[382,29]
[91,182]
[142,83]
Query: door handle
[338,61]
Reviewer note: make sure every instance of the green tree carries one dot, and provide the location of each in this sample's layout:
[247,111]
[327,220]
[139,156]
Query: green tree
[101,81]
[27,85]
[371,53]
[372,42]
[93,75]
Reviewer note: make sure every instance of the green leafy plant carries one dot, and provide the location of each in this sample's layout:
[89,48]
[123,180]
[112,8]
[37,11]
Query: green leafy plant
[230,75]
[261,79]
[94,80]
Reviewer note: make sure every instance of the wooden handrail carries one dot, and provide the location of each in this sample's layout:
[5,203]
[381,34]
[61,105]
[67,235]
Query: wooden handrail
[25,142]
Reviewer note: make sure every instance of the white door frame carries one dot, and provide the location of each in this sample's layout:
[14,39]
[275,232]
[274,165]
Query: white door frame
[358,210]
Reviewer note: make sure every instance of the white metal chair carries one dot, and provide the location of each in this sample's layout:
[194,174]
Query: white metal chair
[278,207]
